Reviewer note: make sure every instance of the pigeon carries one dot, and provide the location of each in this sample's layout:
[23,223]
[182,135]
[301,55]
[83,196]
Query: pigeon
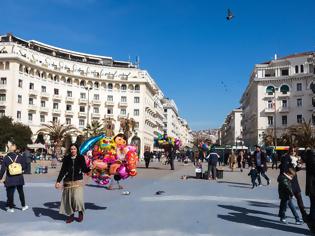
[125,193]
[159,192]
[229,15]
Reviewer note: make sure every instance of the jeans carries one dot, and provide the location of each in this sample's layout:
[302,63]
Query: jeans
[10,195]
[213,170]
[261,171]
[283,207]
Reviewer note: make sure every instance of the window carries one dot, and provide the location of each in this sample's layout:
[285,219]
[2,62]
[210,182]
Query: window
[109,111]
[284,120]
[136,100]
[20,83]
[82,83]
[96,110]
[136,124]
[83,95]
[42,118]
[43,103]
[270,104]
[137,87]
[31,86]
[123,99]
[96,97]
[110,98]
[2,113]
[284,89]
[270,90]
[30,116]
[136,112]
[284,72]
[299,102]
[165,110]
[302,69]
[123,87]
[7,65]
[31,101]
[20,99]
[270,120]
[69,93]
[55,106]
[296,69]
[96,85]
[284,103]
[68,121]
[299,119]
[3,80]
[82,108]
[43,89]
[299,87]
[68,107]
[18,115]
[55,119]
[123,112]
[56,91]
[313,119]
[81,122]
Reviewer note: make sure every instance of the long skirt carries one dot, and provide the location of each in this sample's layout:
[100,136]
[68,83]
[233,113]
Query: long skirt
[72,198]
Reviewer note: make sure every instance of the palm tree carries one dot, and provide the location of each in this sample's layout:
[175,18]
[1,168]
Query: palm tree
[127,125]
[93,129]
[57,133]
[303,134]
[268,137]
[109,127]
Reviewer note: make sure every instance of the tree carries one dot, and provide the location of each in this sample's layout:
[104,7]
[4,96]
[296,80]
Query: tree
[57,133]
[21,134]
[93,129]
[304,134]
[127,126]
[109,127]
[268,138]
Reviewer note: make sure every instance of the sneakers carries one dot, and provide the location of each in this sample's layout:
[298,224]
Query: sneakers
[24,208]
[299,222]
[283,221]
[259,185]
[11,210]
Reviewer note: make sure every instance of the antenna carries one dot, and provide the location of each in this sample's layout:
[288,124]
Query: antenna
[138,62]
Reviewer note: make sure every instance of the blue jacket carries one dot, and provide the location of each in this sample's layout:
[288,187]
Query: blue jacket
[12,180]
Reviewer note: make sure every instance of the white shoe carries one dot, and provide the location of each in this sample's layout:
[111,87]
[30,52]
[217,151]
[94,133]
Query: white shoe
[24,208]
[11,210]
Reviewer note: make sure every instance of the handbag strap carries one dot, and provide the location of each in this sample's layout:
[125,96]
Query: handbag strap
[16,156]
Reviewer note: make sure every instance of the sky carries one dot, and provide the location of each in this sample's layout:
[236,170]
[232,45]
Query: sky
[194,54]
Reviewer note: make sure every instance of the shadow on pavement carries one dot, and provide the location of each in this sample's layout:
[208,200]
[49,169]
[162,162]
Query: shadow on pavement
[240,215]
[239,186]
[53,214]
[229,182]
[152,168]
[88,205]
[263,204]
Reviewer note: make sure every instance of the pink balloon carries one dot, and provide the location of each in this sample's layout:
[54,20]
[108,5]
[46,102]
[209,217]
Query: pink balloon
[122,171]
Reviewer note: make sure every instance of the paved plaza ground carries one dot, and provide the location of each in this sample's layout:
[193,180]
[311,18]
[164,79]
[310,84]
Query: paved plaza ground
[188,207]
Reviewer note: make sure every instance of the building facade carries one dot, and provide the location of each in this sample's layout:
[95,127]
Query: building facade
[280,93]
[40,83]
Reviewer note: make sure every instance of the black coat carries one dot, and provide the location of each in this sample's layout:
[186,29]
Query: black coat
[72,169]
[263,159]
[309,159]
[12,180]
[286,163]
[284,187]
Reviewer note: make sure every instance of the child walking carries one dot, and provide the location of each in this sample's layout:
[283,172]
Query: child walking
[285,195]
[253,175]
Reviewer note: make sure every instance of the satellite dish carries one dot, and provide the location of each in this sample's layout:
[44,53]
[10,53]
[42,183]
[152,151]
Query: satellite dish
[230,15]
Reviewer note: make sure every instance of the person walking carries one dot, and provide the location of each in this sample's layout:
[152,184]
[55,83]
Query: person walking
[286,195]
[260,161]
[28,157]
[292,160]
[212,159]
[13,165]
[240,160]
[274,158]
[147,158]
[253,175]
[232,161]
[71,173]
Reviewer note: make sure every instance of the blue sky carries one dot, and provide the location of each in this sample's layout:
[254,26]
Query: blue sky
[197,57]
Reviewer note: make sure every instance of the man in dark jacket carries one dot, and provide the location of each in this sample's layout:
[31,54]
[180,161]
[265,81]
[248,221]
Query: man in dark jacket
[260,161]
[13,182]
[147,158]
[212,159]
[28,157]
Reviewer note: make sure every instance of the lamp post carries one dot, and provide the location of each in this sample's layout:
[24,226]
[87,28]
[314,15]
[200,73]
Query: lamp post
[275,121]
[88,109]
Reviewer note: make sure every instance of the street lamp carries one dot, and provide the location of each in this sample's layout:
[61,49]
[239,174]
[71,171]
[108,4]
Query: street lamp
[275,121]
[88,109]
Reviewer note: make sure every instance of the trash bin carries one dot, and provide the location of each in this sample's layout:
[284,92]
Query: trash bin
[219,173]
[198,173]
[205,175]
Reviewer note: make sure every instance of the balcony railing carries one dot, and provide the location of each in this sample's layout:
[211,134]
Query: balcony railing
[82,114]
[96,102]
[33,92]
[69,113]
[109,103]
[32,107]
[56,111]
[284,109]
[56,97]
[44,94]
[69,99]
[44,109]
[122,104]
[96,115]
[269,110]
[83,100]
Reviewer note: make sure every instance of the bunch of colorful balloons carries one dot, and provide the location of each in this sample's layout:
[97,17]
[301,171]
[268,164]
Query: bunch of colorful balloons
[164,140]
[109,157]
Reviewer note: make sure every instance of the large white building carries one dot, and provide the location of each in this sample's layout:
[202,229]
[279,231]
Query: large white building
[280,93]
[230,132]
[41,83]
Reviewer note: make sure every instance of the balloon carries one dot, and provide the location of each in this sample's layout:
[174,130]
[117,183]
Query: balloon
[88,144]
[114,167]
[99,164]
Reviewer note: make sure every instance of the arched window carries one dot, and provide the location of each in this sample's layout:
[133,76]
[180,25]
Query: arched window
[82,83]
[270,89]
[110,86]
[96,85]
[296,69]
[123,87]
[69,81]
[302,69]
[284,89]
[137,87]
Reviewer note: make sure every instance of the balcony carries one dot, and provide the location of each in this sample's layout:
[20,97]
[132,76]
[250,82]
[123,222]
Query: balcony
[32,107]
[44,95]
[56,111]
[109,103]
[69,99]
[96,115]
[283,109]
[284,95]
[122,104]
[109,116]
[122,116]
[83,101]
[269,95]
[44,109]
[269,110]
[96,102]
[33,92]
[56,97]
[3,86]
[69,113]
[82,114]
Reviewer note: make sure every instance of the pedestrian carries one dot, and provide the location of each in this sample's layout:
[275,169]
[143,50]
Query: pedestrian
[13,165]
[274,158]
[309,159]
[260,161]
[198,169]
[28,157]
[286,195]
[147,158]
[72,169]
[232,160]
[253,175]
[245,156]
[292,160]
[171,156]
[240,160]
[212,159]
